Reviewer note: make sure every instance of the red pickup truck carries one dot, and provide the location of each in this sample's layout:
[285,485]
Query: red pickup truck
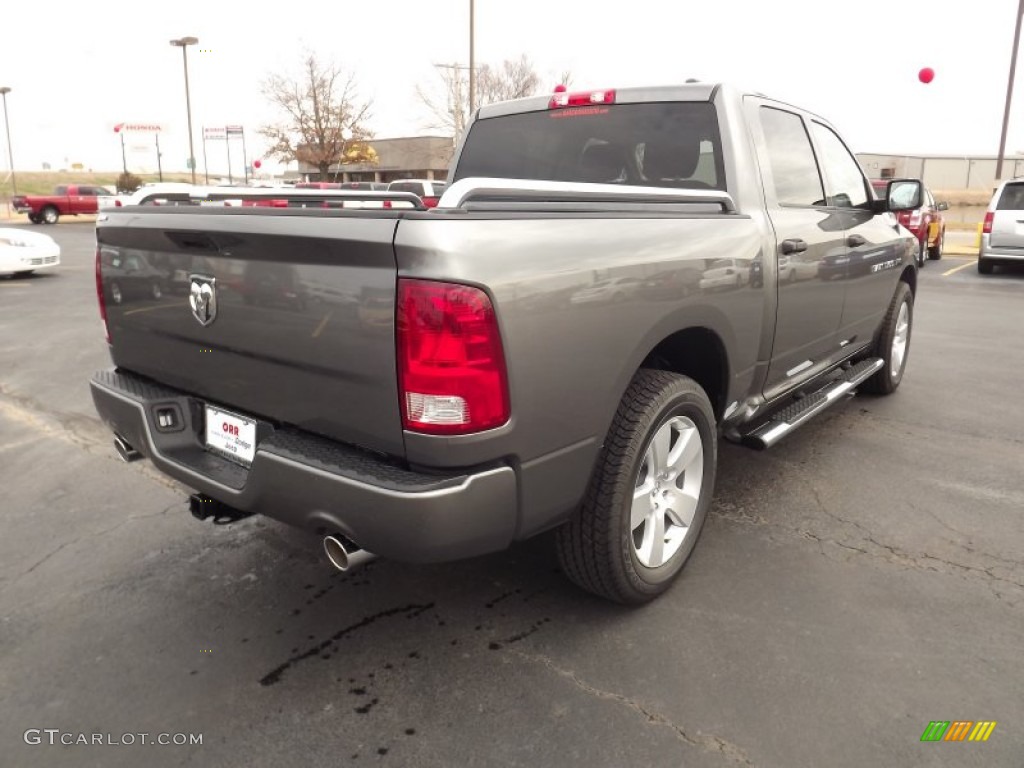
[66,200]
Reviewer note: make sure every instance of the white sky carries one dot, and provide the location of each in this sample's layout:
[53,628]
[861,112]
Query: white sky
[81,67]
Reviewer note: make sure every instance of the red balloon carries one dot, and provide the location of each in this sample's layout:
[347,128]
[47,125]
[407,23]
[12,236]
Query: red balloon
[257,163]
[926,75]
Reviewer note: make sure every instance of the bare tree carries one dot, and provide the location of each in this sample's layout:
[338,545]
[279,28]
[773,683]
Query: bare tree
[451,108]
[512,79]
[324,120]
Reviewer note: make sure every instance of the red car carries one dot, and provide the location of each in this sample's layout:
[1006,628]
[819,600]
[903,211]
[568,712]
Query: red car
[925,222]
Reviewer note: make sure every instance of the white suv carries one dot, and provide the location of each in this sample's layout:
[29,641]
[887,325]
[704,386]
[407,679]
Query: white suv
[1002,237]
[429,191]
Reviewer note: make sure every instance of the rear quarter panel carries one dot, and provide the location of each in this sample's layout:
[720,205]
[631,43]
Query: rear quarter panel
[568,361]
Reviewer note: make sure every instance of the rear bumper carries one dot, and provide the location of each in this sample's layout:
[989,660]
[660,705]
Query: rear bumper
[989,252]
[317,484]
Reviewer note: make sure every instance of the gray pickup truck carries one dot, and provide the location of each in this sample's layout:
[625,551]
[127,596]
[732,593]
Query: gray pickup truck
[611,281]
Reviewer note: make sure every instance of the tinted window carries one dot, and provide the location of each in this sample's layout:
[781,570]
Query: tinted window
[663,145]
[1012,198]
[794,169]
[846,187]
[60,191]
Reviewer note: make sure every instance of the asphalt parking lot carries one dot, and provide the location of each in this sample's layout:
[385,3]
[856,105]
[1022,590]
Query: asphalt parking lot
[856,582]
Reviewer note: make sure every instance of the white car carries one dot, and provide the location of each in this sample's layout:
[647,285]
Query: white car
[22,251]
[723,274]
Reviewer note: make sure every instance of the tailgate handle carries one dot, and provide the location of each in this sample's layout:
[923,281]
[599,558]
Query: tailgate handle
[193,241]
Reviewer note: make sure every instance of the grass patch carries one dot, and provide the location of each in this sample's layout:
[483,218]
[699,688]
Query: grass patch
[43,182]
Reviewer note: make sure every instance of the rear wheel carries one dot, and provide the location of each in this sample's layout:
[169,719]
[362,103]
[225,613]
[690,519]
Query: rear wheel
[985,266]
[936,252]
[650,492]
[35,218]
[893,343]
[50,215]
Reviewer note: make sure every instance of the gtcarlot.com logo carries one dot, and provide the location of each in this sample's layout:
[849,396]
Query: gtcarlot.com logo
[55,736]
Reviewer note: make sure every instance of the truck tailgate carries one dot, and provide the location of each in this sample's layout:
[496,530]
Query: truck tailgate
[298,324]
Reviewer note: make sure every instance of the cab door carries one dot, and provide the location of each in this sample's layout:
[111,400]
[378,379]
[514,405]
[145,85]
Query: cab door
[876,249]
[809,238]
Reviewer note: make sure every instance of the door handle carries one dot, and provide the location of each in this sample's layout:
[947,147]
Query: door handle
[792,246]
[855,240]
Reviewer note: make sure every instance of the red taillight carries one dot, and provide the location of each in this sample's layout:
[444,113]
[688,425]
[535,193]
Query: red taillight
[451,366]
[430,202]
[581,99]
[987,226]
[117,203]
[100,297]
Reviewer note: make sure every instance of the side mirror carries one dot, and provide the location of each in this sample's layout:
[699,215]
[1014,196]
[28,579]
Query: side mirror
[943,206]
[904,194]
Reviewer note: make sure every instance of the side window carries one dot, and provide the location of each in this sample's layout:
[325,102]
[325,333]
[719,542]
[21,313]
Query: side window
[846,185]
[794,170]
[62,190]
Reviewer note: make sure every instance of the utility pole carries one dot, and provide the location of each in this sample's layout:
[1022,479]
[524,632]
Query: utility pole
[184,43]
[1009,93]
[4,90]
[472,56]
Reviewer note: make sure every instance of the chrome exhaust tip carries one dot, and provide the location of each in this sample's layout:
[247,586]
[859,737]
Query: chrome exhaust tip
[125,451]
[344,555]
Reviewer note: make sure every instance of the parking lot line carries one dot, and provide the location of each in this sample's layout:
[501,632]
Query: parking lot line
[957,269]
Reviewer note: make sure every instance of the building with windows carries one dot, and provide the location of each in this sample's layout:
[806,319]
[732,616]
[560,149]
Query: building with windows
[414,157]
[943,171]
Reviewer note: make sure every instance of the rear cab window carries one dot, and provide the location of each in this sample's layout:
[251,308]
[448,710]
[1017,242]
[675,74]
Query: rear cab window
[664,144]
[1012,198]
[407,186]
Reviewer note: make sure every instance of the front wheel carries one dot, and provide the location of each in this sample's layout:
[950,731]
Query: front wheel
[650,492]
[893,343]
[922,251]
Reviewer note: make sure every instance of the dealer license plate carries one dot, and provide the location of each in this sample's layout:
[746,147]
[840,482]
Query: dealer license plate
[230,435]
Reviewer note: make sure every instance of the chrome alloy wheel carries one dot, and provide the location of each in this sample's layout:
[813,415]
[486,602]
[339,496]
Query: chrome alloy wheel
[667,490]
[899,341]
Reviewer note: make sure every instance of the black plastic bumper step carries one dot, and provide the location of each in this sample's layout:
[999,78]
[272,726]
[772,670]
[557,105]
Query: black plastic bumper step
[777,425]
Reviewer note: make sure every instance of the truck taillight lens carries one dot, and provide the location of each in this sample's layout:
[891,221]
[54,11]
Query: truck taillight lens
[581,99]
[987,226]
[451,365]
[100,297]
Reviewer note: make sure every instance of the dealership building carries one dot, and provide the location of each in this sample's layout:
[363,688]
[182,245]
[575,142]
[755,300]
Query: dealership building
[415,157]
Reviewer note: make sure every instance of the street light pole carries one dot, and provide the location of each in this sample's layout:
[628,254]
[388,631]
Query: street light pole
[4,90]
[1009,93]
[184,43]
[472,59]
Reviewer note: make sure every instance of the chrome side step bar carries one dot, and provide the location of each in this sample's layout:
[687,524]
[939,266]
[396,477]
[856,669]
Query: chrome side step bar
[781,423]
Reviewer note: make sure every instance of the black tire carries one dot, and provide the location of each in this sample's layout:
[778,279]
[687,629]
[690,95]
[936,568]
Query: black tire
[985,266]
[35,218]
[596,547]
[49,215]
[936,253]
[885,381]
[922,251]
